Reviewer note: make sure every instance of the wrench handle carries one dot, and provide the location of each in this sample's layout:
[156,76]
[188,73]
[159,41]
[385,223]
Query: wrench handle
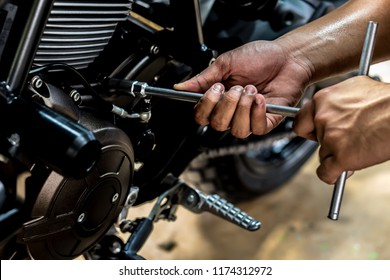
[364,67]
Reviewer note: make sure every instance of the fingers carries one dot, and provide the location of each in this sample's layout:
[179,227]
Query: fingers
[217,106]
[205,106]
[197,83]
[304,125]
[259,123]
[239,109]
[330,170]
[223,113]
[241,124]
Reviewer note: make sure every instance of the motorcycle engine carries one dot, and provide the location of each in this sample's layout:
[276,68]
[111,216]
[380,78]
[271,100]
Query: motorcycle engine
[69,216]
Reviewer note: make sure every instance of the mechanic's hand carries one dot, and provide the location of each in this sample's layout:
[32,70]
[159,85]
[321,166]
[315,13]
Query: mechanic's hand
[351,121]
[239,83]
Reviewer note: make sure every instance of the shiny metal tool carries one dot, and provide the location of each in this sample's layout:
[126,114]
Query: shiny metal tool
[194,97]
[364,67]
[141,88]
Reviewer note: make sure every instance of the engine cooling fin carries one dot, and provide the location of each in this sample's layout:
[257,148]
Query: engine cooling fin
[78,31]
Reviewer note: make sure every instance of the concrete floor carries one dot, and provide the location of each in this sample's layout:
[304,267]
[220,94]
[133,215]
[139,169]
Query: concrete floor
[294,222]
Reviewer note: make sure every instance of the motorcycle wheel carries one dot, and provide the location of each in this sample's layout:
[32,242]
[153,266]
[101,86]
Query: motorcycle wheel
[253,173]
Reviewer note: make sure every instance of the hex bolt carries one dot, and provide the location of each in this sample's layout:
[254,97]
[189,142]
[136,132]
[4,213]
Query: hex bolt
[75,95]
[154,49]
[36,82]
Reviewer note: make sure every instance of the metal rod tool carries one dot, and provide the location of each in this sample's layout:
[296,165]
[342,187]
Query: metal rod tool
[146,90]
[364,67]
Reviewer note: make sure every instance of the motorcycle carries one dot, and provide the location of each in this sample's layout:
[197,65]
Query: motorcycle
[84,137]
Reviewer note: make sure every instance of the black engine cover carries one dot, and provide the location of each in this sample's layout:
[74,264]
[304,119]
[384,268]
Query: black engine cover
[71,215]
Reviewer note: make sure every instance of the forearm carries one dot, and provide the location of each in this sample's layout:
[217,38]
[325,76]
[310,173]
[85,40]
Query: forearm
[332,44]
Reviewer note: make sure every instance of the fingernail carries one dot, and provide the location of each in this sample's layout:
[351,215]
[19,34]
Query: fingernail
[258,100]
[218,88]
[236,91]
[240,89]
[250,90]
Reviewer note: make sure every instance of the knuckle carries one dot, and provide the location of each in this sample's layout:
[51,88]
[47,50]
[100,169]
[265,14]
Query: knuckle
[321,93]
[325,175]
[239,133]
[320,120]
[210,98]
[218,125]
[201,120]
[200,117]
[259,131]
[297,128]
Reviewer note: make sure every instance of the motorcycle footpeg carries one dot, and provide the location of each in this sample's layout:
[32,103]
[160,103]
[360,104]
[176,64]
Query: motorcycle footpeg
[198,202]
[222,208]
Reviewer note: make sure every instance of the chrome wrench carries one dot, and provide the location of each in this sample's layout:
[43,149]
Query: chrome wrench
[137,88]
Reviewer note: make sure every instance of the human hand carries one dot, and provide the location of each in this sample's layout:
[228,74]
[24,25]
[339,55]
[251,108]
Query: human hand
[239,83]
[351,121]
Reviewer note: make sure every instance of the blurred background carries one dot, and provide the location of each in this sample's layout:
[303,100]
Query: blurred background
[294,220]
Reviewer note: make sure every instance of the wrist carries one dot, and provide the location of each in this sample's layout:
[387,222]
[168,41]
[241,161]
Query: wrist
[297,60]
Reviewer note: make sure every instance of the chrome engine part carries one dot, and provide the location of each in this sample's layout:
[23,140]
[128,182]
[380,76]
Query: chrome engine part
[78,31]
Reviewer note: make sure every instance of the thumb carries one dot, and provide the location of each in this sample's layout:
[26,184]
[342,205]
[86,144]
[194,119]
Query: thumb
[203,81]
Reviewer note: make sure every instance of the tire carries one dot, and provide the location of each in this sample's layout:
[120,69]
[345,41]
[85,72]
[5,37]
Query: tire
[252,174]
[258,172]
